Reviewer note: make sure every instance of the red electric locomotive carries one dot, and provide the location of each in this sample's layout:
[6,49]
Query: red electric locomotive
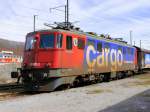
[61,58]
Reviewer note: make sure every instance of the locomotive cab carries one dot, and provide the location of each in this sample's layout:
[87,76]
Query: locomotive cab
[53,50]
[40,50]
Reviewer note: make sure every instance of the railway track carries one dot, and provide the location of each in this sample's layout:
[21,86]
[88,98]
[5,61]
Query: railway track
[11,90]
[12,87]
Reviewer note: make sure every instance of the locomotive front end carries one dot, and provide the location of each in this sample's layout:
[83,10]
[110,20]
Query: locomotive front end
[39,51]
[41,58]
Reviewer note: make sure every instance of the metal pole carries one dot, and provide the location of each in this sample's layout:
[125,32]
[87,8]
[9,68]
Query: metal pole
[65,15]
[131,37]
[140,44]
[67,12]
[134,43]
[34,22]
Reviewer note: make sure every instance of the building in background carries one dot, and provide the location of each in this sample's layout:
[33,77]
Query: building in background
[9,57]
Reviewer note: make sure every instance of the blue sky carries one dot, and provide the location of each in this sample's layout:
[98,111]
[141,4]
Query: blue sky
[114,17]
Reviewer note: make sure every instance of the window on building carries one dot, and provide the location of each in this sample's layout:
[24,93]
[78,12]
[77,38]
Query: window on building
[69,42]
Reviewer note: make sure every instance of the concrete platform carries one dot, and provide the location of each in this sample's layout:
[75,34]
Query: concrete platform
[138,103]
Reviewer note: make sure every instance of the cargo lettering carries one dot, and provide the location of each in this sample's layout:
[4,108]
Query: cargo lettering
[106,58]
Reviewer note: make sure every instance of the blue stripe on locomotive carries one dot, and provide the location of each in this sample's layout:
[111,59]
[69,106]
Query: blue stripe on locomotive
[125,56]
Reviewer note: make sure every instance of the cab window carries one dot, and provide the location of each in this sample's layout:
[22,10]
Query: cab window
[69,43]
[47,40]
[59,41]
[29,43]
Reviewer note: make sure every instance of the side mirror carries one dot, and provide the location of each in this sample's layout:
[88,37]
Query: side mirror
[14,74]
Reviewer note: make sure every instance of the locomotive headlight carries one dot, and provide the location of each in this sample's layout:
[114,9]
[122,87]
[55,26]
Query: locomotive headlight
[35,64]
[24,64]
[30,75]
[45,75]
[48,64]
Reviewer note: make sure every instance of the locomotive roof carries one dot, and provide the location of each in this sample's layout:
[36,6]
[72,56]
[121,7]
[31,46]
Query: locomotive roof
[82,34]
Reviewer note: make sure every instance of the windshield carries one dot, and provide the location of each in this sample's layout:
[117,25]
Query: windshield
[29,43]
[47,41]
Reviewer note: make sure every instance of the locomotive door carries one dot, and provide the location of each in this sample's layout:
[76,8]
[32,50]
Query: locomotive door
[69,52]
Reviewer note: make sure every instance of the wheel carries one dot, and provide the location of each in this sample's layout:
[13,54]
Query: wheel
[106,78]
[78,82]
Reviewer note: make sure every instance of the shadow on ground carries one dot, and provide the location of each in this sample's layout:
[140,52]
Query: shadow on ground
[138,103]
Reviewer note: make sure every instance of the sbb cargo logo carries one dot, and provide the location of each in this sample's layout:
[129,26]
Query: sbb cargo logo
[108,57]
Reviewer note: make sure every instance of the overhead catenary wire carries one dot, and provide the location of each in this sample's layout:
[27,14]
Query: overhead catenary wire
[29,17]
[44,11]
[40,11]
